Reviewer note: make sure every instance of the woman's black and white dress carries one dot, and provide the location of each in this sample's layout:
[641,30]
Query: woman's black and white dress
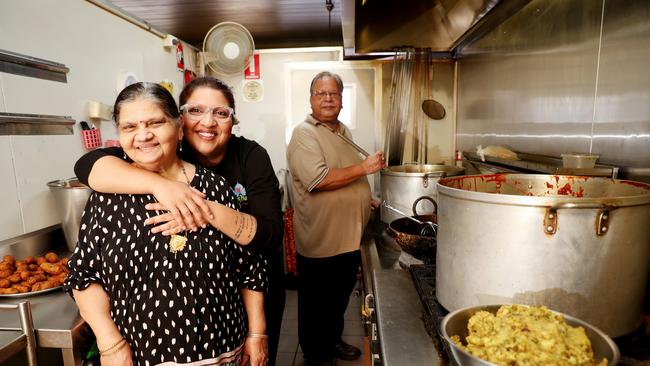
[173,308]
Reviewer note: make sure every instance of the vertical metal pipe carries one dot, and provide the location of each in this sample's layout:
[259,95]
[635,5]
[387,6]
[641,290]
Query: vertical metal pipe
[26,323]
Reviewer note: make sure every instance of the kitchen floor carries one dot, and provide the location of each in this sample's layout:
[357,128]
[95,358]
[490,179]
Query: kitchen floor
[289,353]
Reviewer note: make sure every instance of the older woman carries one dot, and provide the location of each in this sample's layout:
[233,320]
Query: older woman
[194,299]
[209,142]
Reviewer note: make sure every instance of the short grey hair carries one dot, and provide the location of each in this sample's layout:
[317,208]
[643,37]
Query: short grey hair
[152,91]
[326,75]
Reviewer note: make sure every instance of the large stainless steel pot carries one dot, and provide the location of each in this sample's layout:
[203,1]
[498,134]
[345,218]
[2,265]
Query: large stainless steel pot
[71,197]
[401,185]
[578,245]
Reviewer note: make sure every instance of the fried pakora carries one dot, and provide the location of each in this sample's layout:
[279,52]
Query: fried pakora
[521,335]
[32,273]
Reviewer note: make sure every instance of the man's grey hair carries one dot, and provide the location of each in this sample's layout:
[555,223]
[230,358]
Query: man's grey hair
[326,75]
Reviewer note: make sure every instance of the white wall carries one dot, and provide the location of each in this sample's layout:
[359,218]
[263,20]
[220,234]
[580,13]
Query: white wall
[97,47]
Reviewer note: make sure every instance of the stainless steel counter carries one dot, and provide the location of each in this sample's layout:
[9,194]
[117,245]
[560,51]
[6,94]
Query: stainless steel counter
[12,342]
[55,316]
[56,322]
[403,339]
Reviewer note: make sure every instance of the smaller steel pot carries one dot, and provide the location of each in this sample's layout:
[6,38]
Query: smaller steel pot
[406,233]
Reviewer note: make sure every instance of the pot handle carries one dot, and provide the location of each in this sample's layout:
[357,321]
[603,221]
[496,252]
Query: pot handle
[602,218]
[426,176]
[415,204]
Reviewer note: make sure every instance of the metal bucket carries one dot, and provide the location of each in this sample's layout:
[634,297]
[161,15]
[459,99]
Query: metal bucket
[403,184]
[71,197]
[579,245]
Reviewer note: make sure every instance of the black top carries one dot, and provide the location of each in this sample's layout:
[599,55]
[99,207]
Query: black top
[180,307]
[248,170]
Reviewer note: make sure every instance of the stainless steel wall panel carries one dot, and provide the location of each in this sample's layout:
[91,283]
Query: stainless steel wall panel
[531,84]
[622,119]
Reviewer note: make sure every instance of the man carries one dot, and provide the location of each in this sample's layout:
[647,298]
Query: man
[332,202]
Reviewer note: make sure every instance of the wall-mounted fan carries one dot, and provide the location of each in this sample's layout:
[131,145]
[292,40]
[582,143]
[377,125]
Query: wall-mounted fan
[227,49]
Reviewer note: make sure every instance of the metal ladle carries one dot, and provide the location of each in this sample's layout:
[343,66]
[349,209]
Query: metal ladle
[428,228]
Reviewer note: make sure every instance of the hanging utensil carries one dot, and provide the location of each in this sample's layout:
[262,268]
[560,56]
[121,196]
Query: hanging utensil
[433,109]
[430,106]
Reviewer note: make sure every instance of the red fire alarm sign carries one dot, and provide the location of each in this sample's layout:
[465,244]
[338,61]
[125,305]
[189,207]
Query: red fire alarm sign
[180,62]
[253,69]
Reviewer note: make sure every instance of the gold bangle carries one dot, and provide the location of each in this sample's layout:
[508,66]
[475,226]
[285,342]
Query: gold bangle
[114,348]
[257,335]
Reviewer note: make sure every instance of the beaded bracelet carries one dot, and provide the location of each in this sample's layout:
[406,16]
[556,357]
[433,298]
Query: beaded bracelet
[257,335]
[114,348]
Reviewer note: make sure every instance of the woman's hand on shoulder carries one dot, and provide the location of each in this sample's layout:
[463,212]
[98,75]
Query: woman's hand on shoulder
[186,205]
[122,357]
[255,352]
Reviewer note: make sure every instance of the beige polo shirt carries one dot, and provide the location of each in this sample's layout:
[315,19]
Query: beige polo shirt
[326,223]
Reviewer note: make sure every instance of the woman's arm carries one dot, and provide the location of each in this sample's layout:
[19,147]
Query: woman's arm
[100,168]
[238,226]
[256,346]
[262,189]
[94,307]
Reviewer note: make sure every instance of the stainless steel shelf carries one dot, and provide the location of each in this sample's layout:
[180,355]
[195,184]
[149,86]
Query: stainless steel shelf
[18,64]
[35,124]
[539,164]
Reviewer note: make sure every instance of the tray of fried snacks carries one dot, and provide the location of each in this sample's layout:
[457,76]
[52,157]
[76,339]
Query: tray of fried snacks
[32,275]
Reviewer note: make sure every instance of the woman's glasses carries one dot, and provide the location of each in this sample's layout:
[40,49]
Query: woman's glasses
[197,112]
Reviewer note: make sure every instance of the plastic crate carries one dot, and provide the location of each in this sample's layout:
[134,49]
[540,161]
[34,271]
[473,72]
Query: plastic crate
[92,139]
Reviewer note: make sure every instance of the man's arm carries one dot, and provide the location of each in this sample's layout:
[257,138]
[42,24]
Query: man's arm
[341,177]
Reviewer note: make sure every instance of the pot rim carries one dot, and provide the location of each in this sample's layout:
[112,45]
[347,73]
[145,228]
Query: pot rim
[431,170]
[541,201]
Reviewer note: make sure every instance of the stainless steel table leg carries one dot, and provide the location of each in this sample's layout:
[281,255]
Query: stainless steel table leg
[26,323]
[71,358]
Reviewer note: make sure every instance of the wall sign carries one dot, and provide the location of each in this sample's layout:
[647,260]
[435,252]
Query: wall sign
[180,62]
[253,90]
[125,79]
[253,69]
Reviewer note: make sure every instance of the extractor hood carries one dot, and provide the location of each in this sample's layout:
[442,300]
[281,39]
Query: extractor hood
[374,28]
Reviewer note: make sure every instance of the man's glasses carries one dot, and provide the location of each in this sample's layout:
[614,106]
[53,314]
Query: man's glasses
[197,112]
[324,94]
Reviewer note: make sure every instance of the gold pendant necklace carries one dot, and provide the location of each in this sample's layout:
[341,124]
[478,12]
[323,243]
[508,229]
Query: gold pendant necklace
[177,242]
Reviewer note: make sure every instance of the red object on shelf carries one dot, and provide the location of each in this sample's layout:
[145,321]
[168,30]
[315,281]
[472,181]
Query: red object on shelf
[92,139]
